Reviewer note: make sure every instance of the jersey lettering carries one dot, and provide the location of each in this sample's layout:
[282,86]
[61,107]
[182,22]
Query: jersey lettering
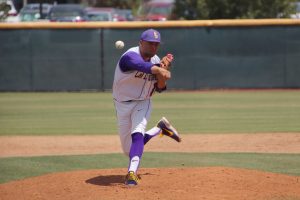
[139,74]
[143,75]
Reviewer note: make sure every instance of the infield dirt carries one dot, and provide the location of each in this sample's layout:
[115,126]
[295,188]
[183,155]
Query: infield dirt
[76,145]
[163,183]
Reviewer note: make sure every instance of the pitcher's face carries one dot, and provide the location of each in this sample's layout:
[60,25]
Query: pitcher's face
[148,49]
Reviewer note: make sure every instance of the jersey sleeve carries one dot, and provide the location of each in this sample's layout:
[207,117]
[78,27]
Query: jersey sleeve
[133,61]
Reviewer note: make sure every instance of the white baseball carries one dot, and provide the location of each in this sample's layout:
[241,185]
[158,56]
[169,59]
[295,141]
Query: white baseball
[119,44]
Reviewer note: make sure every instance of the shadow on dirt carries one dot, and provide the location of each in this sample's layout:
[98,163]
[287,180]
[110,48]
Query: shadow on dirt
[110,180]
[107,180]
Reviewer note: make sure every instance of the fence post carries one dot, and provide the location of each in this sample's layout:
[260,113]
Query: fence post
[102,58]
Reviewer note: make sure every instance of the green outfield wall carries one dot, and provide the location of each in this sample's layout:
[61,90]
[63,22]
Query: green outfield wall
[208,54]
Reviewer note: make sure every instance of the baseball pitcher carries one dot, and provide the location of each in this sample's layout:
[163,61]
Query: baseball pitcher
[138,74]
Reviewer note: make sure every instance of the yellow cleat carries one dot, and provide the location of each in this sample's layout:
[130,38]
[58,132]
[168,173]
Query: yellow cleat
[168,130]
[131,179]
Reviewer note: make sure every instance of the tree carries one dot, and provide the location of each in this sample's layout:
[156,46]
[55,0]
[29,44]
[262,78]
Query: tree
[233,9]
[4,9]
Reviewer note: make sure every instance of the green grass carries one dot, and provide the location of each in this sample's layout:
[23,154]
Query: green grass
[191,112]
[11,169]
[56,114]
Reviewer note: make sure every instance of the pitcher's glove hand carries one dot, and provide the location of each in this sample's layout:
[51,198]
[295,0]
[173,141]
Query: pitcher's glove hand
[166,61]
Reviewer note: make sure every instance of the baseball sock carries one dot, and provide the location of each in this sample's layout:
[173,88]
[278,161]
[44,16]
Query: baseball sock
[136,151]
[151,133]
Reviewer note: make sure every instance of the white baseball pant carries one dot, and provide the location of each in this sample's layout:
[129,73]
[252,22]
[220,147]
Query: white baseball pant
[132,117]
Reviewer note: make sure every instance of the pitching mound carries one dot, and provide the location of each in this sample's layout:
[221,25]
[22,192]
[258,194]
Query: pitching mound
[167,184]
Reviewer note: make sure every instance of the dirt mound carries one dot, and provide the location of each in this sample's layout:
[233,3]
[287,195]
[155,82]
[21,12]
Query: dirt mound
[165,183]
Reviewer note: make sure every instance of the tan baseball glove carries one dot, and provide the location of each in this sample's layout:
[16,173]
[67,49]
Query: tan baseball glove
[166,61]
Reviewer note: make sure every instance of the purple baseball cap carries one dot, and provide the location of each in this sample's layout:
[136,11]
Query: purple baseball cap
[151,35]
